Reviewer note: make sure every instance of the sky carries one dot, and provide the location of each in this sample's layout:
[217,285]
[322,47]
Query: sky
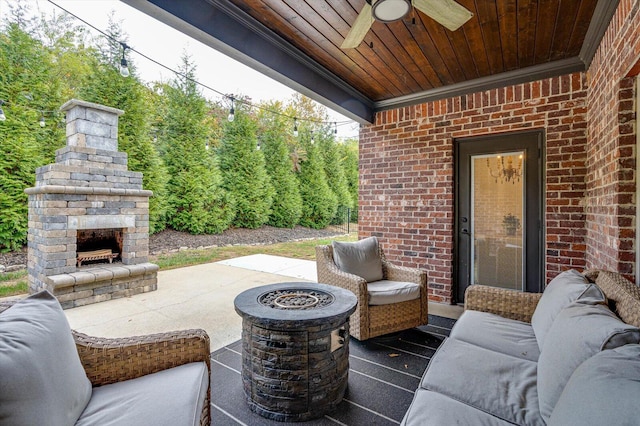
[167,45]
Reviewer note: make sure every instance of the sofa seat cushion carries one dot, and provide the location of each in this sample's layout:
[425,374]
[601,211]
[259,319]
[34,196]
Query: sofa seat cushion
[604,390]
[490,331]
[170,397]
[361,258]
[434,409]
[497,384]
[579,332]
[564,289]
[385,292]
[42,381]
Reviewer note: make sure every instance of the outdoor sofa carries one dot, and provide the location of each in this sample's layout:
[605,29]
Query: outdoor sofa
[569,356]
[51,375]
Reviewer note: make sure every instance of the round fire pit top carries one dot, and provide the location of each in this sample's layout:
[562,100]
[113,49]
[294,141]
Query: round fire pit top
[297,302]
[296,299]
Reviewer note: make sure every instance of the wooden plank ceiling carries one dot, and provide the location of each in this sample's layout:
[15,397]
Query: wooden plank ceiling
[400,63]
[414,55]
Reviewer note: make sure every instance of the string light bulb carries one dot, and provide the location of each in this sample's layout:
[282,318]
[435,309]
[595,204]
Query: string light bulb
[232,112]
[2,116]
[42,123]
[127,72]
[295,126]
[124,66]
[313,138]
[335,128]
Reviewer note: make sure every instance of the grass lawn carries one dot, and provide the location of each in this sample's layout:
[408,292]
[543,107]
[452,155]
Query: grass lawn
[15,283]
[297,249]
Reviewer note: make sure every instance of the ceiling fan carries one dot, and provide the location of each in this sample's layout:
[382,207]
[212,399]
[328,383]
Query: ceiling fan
[447,12]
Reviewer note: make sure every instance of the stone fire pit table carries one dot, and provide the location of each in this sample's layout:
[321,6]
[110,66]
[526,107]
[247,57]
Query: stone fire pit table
[295,348]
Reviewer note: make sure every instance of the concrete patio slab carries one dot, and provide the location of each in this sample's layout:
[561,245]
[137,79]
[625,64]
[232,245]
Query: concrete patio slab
[295,268]
[198,296]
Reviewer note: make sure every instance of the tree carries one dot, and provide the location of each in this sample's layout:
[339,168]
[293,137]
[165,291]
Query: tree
[287,202]
[198,202]
[107,87]
[349,154]
[334,169]
[243,170]
[319,202]
[29,89]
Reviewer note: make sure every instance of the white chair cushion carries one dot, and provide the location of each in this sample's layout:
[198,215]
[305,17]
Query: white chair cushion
[42,381]
[579,332]
[170,397]
[361,258]
[564,289]
[385,292]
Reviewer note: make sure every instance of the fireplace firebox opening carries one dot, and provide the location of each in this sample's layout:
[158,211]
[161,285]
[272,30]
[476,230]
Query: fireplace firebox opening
[98,246]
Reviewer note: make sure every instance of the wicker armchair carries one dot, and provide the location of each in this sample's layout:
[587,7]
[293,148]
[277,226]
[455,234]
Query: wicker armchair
[111,360]
[368,320]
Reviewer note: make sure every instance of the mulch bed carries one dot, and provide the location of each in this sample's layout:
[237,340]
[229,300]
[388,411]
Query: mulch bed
[170,240]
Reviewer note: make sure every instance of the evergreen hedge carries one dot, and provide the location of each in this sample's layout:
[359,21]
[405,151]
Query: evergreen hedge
[286,208]
[243,171]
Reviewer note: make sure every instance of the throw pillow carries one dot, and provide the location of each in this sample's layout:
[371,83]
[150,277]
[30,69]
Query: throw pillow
[604,390]
[42,381]
[579,332]
[361,258]
[564,289]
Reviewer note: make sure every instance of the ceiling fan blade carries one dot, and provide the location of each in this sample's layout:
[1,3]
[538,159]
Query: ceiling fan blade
[447,12]
[359,29]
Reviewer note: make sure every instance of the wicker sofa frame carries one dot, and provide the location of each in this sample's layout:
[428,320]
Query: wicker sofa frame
[622,295]
[370,321]
[111,360]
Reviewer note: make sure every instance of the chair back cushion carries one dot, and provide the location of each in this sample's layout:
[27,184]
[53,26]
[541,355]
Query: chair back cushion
[564,289]
[603,390]
[42,381]
[361,258]
[580,331]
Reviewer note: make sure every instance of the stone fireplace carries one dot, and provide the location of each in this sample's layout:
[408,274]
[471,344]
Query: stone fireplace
[88,238]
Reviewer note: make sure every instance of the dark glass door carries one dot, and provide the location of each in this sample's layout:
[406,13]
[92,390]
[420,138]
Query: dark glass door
[499,212]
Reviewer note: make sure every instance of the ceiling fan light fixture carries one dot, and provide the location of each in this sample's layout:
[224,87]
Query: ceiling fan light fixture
[390,10]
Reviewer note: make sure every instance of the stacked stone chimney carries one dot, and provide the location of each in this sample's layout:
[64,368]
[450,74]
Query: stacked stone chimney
[88,238]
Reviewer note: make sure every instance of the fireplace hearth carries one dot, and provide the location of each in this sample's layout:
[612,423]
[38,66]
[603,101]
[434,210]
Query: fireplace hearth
[88,238]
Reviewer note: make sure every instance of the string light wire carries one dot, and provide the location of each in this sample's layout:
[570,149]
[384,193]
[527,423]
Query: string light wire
[241,101]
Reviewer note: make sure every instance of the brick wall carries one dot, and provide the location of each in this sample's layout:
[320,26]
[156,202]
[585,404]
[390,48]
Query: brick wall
[406,172]
[611,163]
